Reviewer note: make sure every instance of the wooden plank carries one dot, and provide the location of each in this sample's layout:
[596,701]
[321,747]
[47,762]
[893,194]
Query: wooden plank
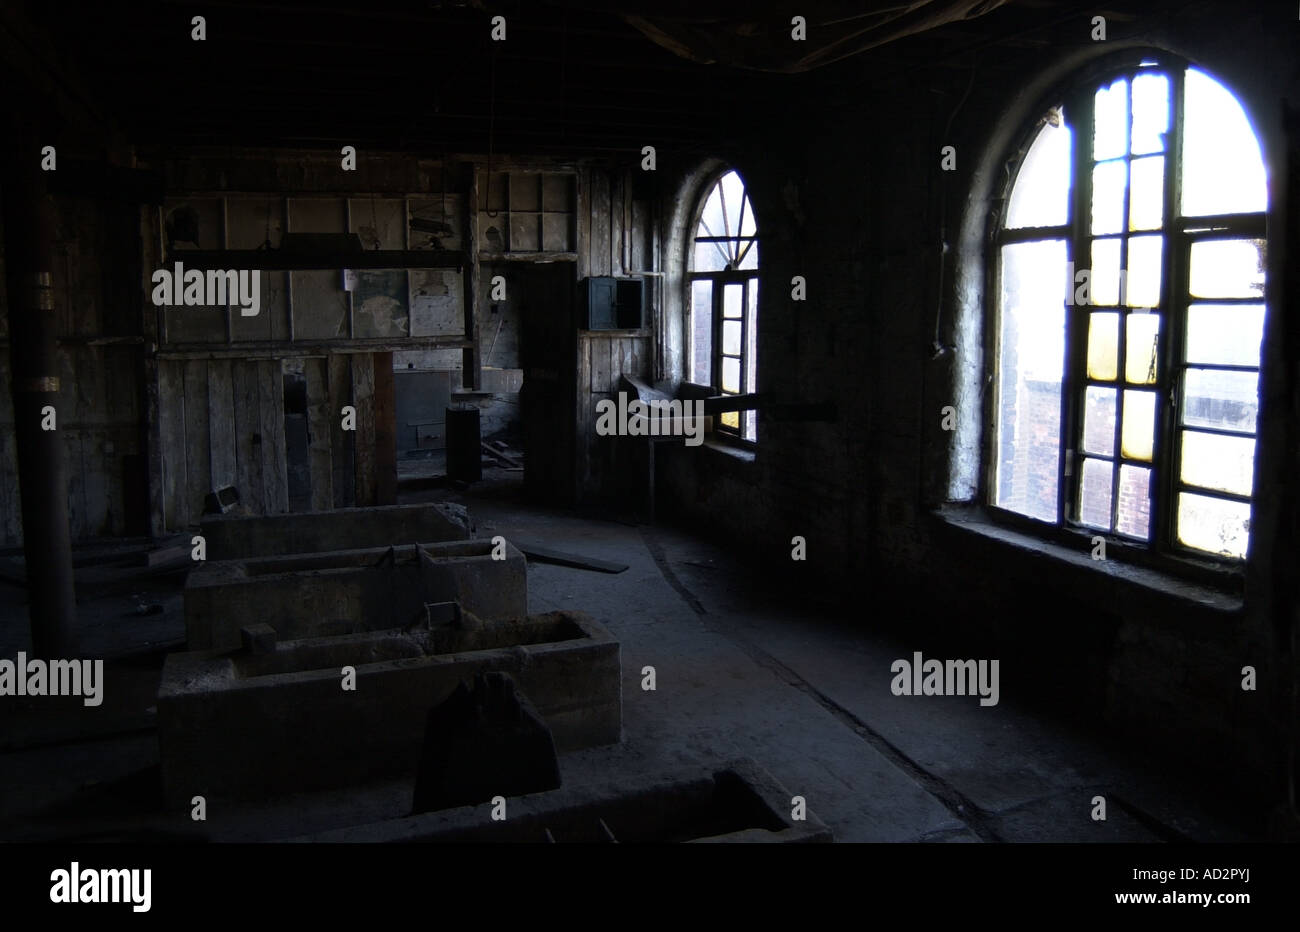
[598,242]
[340,394]
[632,357]
[275,469]
[171,445]
[197,468]
[221,424]
[639,235]
[541,554]
[385,431]
[616,194]
[248,436]
[600,364]
[316,371]
[363,399]
[583,221]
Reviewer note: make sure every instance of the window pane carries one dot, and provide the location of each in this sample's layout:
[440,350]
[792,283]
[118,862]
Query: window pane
[751,358]
[1041,195]
[731,375]
[1142,350]
[1150,112]
[1222,169]
[1108,183]
[1110,138]
[1147,194]
[1139,431]
[701,332]
[712,217]
[730,419]
[732,296]
[731,337]
[1219,399]
[1134,511]
[1104,281]
[1227,268]
[748,259]
[733,194]
[1094,494]
[1103,345]
[1144,254]
[709,257]
[1099,421]
[1213,524]
[1213,461]
[1229,335]
[1031,341]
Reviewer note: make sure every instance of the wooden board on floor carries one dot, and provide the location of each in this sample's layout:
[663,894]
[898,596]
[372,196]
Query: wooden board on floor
[562,558]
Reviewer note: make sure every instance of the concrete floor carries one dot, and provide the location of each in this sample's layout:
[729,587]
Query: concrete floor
[742,669]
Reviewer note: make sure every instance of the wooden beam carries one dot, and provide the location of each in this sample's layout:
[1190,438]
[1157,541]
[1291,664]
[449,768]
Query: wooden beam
[275,349]
[281,259]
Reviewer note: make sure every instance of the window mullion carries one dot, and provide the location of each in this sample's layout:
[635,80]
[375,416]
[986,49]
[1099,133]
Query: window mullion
[715,368]
[1076,318]
[1173,305]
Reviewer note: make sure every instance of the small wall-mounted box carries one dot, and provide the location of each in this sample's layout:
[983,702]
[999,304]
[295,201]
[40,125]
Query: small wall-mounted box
[613,303]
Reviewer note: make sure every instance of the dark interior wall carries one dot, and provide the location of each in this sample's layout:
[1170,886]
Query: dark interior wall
[850,195]
[99,407]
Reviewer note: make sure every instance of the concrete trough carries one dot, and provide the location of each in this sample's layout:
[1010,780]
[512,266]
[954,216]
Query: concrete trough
[232,537]
[350,591]
[737,802]
[274,719]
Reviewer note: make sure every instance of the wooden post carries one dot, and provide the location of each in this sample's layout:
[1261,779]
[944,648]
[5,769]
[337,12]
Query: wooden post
[29,265]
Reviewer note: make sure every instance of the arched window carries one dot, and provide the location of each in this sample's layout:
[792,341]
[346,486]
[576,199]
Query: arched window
[1130,312]
[723,299]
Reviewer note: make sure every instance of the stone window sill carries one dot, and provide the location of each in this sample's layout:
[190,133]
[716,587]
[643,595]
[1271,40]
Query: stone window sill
[967,520]
[731,450]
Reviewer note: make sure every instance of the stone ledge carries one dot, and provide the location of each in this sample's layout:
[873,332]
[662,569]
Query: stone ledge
[1161,583]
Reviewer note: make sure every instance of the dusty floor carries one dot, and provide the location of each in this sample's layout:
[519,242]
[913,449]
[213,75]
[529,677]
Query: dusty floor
[742,669]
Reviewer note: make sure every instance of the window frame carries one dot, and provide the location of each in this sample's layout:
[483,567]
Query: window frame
[747,278]
[1076,99]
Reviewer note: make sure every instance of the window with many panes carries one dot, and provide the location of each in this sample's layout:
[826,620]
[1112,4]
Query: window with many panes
[1131,257]
[723,300]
